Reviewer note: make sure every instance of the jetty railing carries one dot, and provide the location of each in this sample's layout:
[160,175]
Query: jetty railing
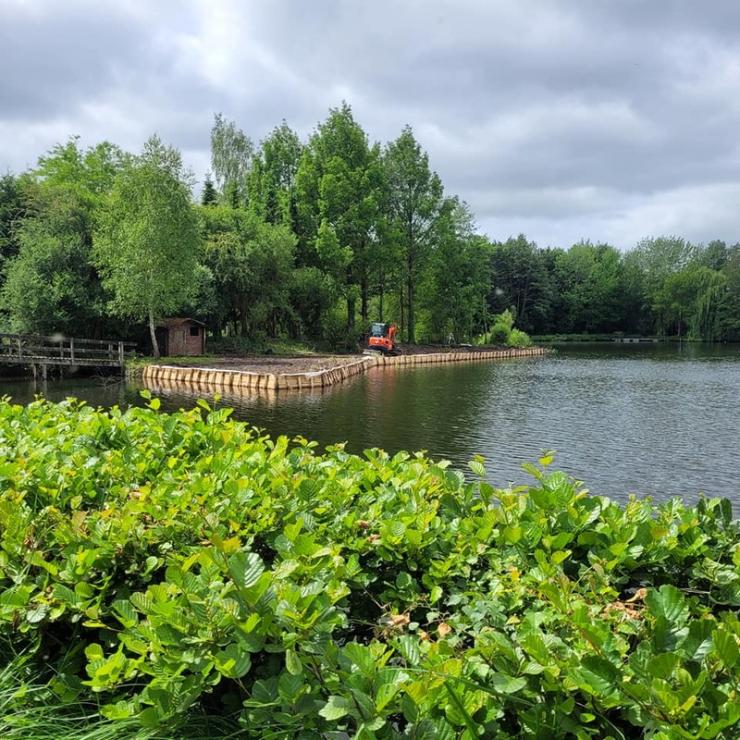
[34,349]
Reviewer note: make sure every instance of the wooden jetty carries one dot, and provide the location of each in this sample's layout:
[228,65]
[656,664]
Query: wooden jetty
[40,352]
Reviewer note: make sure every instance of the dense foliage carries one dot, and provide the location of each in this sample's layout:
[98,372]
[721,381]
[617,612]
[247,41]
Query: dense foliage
[147,239]
[157,569]
[313,240]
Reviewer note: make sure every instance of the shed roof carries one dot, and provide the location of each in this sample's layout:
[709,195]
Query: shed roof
[174,323]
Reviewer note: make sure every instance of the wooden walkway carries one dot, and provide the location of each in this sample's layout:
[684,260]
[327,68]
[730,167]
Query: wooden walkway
[40,352]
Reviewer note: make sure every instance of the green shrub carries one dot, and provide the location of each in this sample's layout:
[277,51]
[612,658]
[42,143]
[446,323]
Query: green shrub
[170,566]
[518,338]
[500,332]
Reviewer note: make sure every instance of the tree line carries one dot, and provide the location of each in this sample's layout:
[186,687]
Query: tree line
[313,240]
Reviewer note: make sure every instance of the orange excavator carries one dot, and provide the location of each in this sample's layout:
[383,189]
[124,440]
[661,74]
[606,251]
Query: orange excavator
[382,338]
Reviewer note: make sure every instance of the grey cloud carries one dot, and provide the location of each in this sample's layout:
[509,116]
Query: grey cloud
[561,120]
[56,61]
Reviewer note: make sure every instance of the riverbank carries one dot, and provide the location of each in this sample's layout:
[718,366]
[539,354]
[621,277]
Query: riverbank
[619,338]
[615,337]
[295,374]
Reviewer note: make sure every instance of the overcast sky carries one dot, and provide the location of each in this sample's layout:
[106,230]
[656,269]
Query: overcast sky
[601,119]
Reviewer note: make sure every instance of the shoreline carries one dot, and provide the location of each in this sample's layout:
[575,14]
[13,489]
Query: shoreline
[231,379]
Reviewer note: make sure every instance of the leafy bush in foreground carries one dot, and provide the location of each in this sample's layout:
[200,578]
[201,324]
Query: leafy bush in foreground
[156,568]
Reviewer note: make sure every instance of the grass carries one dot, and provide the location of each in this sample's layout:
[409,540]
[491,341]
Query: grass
[30,710]
[250,346]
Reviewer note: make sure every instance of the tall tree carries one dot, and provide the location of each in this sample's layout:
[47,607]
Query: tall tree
[272,179]
[231,158]
[521,281]
[589,288]
[251,262]
[414,206]
[714,255]
[731,313]
[458,278]
[691,302]
[147,243]
[338,190]
[52,284]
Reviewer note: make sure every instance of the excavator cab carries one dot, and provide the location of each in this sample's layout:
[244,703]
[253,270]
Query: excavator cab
[382,338]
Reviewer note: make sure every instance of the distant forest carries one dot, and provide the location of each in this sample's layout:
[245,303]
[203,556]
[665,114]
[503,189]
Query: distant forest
[313,240]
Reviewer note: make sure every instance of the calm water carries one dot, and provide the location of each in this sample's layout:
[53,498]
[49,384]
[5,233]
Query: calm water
[658,419]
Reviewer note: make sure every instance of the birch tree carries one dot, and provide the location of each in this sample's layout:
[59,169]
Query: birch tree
[147,243]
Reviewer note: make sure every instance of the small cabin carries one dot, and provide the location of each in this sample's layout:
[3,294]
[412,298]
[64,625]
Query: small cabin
[178,337]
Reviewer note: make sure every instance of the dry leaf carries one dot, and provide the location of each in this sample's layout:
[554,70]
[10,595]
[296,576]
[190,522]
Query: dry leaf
[398,621]
[639,595]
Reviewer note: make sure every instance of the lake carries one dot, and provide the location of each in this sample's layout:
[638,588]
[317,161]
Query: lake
[655,419]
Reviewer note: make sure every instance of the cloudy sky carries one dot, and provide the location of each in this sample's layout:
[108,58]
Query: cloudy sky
[563,119]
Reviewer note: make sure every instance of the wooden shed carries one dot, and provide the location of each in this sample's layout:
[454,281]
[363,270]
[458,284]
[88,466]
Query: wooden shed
[177,337]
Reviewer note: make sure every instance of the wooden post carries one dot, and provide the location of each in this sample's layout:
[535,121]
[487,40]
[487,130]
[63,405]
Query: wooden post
[72,349]
[20,350]
[120,354]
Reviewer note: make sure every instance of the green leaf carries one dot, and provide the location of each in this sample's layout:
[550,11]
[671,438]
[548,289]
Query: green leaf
[392,680]
[478,468]
[336,708]
[37,613]
[125,613]
[408,646]
[668,602]
[698,642]
[232,661]
[289,687]
[597,676]
[559,556]
[245,568]
[512,535]
[663,665]
[547,458]
[725,643]
[293,663]
[505,684]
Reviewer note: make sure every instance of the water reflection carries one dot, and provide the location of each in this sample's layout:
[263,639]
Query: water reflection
[658,419]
